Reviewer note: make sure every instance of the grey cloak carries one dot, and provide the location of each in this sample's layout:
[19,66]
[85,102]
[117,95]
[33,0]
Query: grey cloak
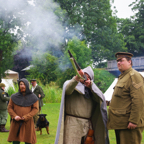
[99,117]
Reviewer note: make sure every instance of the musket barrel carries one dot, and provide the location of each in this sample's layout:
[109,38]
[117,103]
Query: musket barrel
[71,56]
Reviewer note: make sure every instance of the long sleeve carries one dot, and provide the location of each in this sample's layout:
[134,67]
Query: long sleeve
[42,93]
[137,95]
[4,97]
[71,86]
[11,109]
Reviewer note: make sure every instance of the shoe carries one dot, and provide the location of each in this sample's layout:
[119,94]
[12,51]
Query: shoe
[2,129]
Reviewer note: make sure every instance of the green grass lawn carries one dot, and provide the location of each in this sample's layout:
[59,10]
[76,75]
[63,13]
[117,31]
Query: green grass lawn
[52,111]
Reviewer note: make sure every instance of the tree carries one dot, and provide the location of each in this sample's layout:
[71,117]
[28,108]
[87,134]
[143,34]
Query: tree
[10,33]
[96,26]
[133,29]
[44,68]
[103,79]
[82,55]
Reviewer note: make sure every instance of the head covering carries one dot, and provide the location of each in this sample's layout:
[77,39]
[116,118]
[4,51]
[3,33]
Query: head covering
[32,80]
[81,87]
[89,71]
[27,100]
[120,55]
[2,85]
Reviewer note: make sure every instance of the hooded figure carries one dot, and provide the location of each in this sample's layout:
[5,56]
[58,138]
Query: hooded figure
[82,108]
[22,107]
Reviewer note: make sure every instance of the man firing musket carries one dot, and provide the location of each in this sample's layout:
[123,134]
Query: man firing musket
[83,110]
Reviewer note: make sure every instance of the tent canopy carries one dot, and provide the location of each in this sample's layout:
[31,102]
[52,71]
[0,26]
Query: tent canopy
[8,83]
[11,75]
[109,91]
[10,72]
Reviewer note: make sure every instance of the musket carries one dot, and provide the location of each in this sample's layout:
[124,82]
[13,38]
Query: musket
[76,66]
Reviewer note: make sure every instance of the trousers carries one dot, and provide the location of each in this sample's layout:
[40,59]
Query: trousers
[129,136]
[3,116]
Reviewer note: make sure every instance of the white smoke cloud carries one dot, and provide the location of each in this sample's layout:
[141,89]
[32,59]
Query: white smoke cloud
[41,22]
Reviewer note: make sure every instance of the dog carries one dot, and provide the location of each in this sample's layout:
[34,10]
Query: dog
[42,123]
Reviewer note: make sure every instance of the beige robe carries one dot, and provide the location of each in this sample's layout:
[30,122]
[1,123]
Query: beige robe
[72,128]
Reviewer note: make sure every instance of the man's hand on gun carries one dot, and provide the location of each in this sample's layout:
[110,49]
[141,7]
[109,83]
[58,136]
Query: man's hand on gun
[87,82]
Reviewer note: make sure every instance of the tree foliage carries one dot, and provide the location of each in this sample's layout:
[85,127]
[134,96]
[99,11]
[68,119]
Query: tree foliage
[133,29]
[103,79]
[96,26]
[82,55]
[44,68]
[10,33]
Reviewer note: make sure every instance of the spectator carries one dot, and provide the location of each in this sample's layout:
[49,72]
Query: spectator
[3,108]
[37,90]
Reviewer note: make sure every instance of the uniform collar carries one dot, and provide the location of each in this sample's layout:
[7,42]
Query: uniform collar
[34,86]
[125,72]
[1,89]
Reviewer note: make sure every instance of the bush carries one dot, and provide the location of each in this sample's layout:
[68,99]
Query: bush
[52,93]
[12,90]
[44,68]
[103,79]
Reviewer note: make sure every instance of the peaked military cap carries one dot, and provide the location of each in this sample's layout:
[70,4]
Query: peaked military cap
[120,55]
[2,85]
[32,80]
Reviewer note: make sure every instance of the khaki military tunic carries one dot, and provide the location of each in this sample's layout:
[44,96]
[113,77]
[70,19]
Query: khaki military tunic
[3,107]
[127,105]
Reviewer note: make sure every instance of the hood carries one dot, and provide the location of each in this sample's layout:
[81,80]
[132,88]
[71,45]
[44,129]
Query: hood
[25,81]
[81,87]
[27,100]
[90,72]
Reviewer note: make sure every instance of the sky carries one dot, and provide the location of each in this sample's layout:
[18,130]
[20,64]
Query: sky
[122,6]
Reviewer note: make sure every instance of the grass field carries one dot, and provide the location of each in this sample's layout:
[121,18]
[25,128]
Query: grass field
[52,111]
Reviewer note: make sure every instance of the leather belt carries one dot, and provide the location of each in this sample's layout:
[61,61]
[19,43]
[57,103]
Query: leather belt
[78,116]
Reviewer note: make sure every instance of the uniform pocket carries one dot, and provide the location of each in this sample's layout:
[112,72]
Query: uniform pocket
[118,90]
[118,112]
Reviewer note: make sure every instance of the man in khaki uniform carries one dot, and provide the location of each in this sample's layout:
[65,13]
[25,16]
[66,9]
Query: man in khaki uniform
[126,110]
[3,107]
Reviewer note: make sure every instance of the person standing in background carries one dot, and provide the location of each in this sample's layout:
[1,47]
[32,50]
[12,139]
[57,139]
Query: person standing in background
[37,90]
[3,108]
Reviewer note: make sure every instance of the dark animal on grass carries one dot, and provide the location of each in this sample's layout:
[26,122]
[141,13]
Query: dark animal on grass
[42,123]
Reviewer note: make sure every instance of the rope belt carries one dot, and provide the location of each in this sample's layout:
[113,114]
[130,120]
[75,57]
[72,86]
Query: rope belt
[78,116]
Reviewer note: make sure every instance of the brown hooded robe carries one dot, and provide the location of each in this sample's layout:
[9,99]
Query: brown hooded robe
[23,106]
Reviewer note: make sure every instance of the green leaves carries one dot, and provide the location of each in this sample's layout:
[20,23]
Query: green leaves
[96,26]
[133,29]
[44,68]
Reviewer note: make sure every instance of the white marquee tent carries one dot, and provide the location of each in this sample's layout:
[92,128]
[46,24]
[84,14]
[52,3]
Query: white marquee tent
[109,91]
[8,83]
